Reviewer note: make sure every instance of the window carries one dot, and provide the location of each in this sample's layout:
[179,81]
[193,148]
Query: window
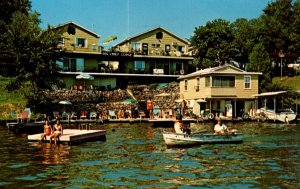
[61,41]
[136,46]
[186,85]
[247,82]
[153,45]
[72,64]
[223,81]
[207,81]
[197,87]
[81,42]
[139,65]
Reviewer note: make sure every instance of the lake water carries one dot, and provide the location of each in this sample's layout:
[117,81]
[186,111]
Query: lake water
[135,156]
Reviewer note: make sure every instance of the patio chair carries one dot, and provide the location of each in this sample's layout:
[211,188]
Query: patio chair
[25,116]
[65,115]
[83,114]
[56,115]
[112,114]
[93,115]
[73,116]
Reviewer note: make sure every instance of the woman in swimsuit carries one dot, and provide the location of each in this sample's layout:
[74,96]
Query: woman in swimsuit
[47,131]
[58,131]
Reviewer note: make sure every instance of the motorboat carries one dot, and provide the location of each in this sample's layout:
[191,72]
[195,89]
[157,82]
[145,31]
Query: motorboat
[178,139]
[284,115]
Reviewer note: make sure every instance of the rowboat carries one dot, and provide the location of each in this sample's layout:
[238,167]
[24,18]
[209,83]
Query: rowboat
[176,139]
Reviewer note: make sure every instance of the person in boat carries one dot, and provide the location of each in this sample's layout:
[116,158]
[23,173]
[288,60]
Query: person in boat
[150,108]
[57,131]
[220,128]
[180,127]
[183,107]
[47,131]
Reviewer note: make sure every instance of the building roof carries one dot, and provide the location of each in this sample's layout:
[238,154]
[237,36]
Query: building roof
[218,70]
[156,28]
[79,26]
[270,93]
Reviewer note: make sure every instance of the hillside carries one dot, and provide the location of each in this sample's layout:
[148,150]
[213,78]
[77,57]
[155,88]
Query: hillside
[292,82]
[9,101]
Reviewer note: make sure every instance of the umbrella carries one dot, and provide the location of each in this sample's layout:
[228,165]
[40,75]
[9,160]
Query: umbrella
[179,100]
[200,100]
[129,101]
[163,95]
[109,39]
[65,102]
[84,76]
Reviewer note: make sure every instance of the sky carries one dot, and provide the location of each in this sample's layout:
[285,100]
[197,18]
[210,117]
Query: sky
[126,18]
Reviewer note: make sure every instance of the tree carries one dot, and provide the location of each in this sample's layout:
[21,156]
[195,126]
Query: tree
[281,31]
[213,43]
[7,8]
[34,53]
[245,37]
[259,61]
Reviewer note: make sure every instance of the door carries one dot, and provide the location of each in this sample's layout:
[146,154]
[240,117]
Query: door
[145,48]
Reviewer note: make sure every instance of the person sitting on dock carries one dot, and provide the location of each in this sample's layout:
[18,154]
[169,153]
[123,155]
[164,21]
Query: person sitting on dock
[220,128]
[58,131]
[180,127]
[150,108]
[47,131]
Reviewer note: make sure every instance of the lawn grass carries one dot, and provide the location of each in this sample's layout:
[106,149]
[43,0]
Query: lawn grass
[8,97]
[292,82]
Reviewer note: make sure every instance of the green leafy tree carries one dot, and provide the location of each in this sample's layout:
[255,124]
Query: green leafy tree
[259,61]
[7,8]
[245,37]
[281,31]
[213,43]
[34,53]
[295,28]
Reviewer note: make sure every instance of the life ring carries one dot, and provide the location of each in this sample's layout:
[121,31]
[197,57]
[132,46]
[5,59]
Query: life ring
[211,116]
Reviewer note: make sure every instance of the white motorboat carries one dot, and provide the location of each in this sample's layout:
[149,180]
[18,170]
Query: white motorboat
[174,139]
[284,116]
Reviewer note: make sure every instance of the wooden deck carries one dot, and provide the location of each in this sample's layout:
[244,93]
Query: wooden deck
[71,136]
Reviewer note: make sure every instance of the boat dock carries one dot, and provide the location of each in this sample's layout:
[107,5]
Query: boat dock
[71,136]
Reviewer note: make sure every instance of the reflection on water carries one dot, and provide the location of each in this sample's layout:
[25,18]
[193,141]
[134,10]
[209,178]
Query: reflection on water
[51,153]
[136,156]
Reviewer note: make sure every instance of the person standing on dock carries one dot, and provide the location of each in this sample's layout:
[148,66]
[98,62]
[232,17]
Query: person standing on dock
[150,107]
[47,131]
[58,131]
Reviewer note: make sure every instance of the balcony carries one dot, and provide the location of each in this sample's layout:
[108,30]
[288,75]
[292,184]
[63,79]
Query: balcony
[214,92]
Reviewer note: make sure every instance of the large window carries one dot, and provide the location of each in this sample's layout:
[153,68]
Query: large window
[247,82]
[72,64]
[139,65]
[136,47]
[223,81]
[81,42]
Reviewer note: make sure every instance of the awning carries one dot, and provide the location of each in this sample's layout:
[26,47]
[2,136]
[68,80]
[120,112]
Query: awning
[270,93]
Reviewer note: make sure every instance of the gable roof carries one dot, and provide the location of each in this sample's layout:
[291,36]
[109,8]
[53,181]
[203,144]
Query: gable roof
[79,26]
[151,30]
[218,70]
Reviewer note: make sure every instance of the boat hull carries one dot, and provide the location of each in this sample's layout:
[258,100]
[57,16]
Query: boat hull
[173,139]
[284,116]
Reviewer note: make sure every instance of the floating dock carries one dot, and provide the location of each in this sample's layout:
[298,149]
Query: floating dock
[71,136]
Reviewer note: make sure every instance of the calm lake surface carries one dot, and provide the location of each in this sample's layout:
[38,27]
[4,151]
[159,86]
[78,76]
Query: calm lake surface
[135,156]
